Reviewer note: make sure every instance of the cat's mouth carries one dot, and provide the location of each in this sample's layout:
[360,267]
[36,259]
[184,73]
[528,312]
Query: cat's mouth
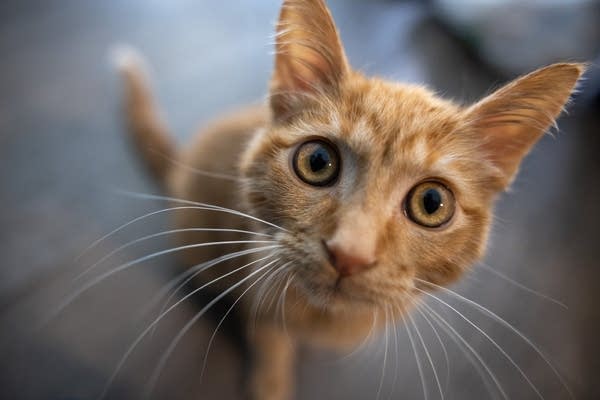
[342,292]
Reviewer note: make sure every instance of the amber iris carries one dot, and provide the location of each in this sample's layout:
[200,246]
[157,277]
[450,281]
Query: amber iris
[317,163]
[430,204]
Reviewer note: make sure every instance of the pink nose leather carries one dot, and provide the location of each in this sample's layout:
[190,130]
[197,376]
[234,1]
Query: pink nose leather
[347,262]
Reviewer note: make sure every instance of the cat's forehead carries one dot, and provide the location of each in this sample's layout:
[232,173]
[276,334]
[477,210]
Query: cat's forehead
[392,112]
[395,123]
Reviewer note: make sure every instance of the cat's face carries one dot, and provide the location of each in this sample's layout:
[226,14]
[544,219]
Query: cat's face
[382,141]
[380,185]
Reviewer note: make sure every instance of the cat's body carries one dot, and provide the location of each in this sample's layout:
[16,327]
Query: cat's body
[374,192]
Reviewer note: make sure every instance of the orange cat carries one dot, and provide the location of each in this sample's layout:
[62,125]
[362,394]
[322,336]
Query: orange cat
[365,193]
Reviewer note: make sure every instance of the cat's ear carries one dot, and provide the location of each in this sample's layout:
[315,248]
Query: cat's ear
[512,119]
[309,57]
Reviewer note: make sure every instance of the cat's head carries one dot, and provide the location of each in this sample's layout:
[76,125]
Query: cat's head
[380,184]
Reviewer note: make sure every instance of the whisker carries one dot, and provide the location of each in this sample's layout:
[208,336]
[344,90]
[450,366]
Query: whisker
[521,286]
[458,339]
[193,272]
[385,331]
[159,234]
[194,206]
[278,276]
[396,349]
[265,288]
[437,335]
[417,358]
[141,336]
[281,302]
[137,261]
[365,341]
[279,285]
[133,221]
[195,170]
[146,196]
[492,341]
[259,298]
[191,322]
[212,337]
[435,375]
[190,273]
[503,322]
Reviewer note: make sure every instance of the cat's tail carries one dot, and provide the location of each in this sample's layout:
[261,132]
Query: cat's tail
[148,130]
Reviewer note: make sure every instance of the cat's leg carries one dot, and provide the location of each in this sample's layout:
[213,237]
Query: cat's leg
[272,371]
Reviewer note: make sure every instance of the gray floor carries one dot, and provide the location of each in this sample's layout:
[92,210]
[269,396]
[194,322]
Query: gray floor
[63,154]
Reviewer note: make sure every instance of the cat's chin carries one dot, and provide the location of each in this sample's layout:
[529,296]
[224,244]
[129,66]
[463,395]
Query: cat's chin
[344,295]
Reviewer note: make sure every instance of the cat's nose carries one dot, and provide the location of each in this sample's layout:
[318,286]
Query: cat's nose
[348,261]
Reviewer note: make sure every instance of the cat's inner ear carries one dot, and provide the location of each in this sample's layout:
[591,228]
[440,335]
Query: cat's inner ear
[511,120]
[309,57]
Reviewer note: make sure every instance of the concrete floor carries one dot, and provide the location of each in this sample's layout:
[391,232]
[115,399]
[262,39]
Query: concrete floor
[62,154]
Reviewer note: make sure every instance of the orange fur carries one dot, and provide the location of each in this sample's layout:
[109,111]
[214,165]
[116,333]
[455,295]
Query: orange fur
[390,137]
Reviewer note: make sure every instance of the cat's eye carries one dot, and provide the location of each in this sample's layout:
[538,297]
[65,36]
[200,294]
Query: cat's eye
[317,162]
[430,204]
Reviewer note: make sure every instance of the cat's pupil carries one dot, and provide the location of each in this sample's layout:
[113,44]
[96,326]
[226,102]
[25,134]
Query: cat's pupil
[319,159]
[432,201]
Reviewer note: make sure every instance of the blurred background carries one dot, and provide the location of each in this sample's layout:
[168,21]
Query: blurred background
[63,152]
